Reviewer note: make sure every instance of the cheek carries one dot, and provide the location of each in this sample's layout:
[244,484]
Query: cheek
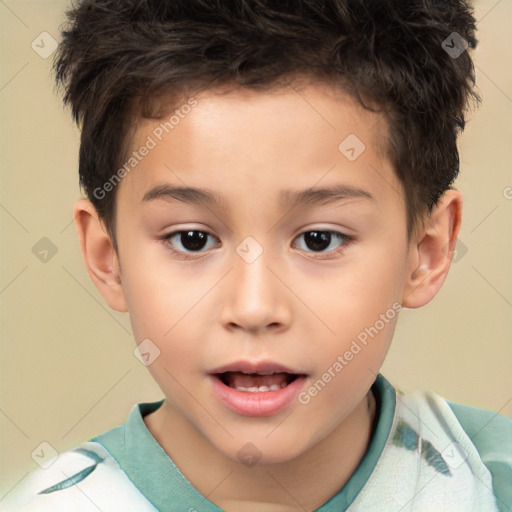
[355,296]
[359,307]
[168,320]
[157,294]
[164,309]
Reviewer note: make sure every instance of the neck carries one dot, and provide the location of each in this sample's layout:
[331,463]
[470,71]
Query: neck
[304,483]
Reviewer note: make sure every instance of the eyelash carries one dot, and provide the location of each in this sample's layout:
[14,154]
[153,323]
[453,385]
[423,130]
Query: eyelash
[345,239]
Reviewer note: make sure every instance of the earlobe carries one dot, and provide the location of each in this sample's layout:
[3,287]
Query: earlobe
[431,254]
[99,255]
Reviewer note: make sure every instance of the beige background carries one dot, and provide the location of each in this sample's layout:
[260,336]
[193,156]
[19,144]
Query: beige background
[68,370]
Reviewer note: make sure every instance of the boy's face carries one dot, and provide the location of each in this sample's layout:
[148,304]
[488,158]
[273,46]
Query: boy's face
[267,284]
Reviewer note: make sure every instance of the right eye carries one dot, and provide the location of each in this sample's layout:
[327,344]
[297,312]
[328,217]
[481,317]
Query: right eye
[191,241]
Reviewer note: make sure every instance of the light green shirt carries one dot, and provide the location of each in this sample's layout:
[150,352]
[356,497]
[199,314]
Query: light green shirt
[426,454]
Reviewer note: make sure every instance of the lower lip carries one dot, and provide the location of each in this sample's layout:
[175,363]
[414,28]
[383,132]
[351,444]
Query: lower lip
[264,403]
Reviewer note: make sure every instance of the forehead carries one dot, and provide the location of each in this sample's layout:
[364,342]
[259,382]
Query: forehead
[270,143]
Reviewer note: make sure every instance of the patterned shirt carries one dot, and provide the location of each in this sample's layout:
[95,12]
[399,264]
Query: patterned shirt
[426,454]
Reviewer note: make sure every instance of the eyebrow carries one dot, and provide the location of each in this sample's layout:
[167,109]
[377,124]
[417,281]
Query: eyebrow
[288,198]
[294,198]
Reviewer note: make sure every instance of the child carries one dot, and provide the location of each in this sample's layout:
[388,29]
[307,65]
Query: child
[306,150]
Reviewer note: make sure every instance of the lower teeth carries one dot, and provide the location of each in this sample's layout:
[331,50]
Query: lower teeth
[261,389]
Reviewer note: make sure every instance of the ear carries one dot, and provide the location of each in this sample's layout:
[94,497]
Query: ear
[431,251]
[99,255]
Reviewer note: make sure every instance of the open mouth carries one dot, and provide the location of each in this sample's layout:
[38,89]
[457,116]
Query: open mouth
[257,382]
[256,389]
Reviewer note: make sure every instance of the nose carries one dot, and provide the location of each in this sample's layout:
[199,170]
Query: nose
[255,299]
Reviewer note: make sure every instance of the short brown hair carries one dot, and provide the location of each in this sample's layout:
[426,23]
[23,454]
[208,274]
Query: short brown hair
[118,56]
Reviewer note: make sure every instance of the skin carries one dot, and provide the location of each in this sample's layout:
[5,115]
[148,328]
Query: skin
[293,305]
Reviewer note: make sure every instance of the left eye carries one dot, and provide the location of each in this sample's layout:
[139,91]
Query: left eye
[319,241]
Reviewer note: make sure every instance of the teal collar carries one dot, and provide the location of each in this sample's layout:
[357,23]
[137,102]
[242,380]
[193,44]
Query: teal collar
[156,476]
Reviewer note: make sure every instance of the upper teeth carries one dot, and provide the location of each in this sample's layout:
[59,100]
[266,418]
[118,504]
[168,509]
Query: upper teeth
[260,389]
[258,373]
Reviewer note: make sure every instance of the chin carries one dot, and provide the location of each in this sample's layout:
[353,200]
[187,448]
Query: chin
[262,451]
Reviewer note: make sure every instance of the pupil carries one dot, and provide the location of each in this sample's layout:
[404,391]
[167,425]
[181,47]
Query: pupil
[317,240]
[193,240]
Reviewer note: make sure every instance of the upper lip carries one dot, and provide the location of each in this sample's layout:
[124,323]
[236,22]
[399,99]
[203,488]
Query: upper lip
[254,367]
